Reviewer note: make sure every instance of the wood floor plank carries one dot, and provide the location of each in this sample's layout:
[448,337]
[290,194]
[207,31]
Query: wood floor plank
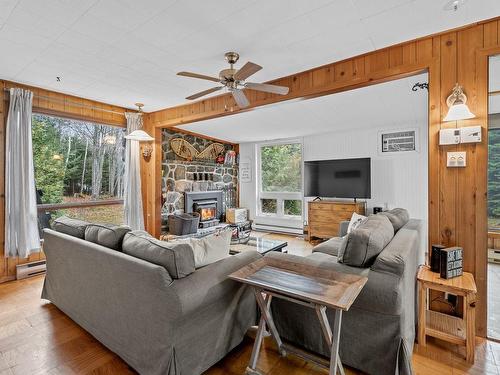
[37,338]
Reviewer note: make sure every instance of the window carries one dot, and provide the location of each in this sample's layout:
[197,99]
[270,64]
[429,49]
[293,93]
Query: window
[494,179]
[280,179]
[79,168]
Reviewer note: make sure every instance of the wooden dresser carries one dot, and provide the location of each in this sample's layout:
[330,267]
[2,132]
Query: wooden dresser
[324,217]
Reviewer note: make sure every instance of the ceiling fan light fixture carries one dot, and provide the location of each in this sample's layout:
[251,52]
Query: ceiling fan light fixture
[458,109]
[234,80]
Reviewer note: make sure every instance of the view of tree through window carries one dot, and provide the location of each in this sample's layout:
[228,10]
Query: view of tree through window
[78,161]
[494,178]
[281,172]
[281,167]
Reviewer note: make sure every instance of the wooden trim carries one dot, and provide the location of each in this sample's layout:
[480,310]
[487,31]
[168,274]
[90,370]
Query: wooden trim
[70,106]
[61,206]
[457,198]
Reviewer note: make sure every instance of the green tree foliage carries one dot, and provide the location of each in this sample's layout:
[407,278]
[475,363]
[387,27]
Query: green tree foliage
[494,175]
[281,168]
[48,161]
[74,159]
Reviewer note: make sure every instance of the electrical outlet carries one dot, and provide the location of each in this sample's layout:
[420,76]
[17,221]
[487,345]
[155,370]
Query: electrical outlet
[456,159]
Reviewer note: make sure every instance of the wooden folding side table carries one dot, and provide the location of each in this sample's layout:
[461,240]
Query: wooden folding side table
[461,331]
[314,287]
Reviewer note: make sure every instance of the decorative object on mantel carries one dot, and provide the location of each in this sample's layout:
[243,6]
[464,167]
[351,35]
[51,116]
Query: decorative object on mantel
[211,152]
[183,148]
[187,151]
[230,158]
[220,158]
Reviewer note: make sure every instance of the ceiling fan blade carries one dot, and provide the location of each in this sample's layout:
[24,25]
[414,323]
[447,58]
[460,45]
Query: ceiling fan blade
[240,98]
[203,93]
[246,71]
[200,76]
[281,90]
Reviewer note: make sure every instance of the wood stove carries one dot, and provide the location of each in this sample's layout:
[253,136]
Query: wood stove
[207,203]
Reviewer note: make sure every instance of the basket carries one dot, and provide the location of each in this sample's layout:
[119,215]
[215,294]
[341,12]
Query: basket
[183,224]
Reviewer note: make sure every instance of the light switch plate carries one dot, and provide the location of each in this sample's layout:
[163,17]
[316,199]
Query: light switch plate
[456,159]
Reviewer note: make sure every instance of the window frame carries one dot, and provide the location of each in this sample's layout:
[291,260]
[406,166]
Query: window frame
[280,197]
[48,207]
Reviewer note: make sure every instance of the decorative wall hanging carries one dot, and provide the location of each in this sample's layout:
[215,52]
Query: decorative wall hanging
[183,148]
[187,151]
[211,152]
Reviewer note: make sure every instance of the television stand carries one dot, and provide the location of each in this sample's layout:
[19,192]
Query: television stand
[317,199]
[324,217]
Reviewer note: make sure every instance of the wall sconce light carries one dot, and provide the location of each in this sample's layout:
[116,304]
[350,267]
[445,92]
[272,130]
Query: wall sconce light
[458,110]
[142,136]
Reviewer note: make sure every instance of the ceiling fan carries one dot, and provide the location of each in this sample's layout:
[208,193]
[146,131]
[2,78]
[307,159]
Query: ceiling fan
[234,80]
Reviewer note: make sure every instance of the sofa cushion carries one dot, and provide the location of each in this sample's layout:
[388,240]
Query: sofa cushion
[209,249]
[356,221]
[398,217]
[107,235]
[177,258]
[330,247]
[361,247]
[73,227]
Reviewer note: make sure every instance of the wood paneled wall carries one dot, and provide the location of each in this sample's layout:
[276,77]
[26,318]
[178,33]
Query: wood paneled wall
[457,197]
[65,106]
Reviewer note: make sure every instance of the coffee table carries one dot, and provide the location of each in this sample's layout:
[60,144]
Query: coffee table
[260,245]
[314,287]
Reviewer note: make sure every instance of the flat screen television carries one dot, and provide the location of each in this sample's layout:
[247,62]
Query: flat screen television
[341,178]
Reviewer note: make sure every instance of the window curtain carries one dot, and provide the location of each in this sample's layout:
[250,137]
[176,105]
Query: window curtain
[21,225]
[132,195]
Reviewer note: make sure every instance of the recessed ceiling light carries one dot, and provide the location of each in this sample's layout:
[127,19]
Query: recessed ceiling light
[454,5]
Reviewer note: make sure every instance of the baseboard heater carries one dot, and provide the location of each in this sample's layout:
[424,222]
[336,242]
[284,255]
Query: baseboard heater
[277,229]
[23,271]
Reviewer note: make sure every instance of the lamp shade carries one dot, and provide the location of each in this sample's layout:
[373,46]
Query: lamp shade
[139,135]
[459,111]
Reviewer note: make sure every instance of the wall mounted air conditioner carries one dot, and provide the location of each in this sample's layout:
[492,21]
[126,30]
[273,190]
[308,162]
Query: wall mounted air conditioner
[26,270]
[398,141]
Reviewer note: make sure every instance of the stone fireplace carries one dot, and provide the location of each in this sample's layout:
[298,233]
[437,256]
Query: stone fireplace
[181,176]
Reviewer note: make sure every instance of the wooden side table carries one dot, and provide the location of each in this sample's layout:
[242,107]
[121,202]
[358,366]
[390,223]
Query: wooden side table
[313,287]
[461,331]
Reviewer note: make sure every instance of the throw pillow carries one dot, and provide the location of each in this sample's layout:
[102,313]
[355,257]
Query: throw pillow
[361,247]
[356,221]
[209,249]
[72,227]
[398,217]
[107,235]
[177,258]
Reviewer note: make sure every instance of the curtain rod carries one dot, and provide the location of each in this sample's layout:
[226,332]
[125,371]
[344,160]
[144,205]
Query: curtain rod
[73,103]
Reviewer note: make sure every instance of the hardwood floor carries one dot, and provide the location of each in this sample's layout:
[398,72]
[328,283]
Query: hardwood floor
[37,338]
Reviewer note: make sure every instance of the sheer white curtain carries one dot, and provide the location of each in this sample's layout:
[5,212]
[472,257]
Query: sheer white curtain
[21,225]
[132,195]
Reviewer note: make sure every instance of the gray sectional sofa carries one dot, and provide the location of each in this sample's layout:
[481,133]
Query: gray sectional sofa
[177,323]
[378,331]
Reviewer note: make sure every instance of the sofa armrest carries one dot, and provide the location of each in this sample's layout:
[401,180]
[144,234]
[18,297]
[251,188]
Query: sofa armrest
[343,228]
[210,283]
[402,252]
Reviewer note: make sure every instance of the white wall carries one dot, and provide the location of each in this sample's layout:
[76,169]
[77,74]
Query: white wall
[398,180]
